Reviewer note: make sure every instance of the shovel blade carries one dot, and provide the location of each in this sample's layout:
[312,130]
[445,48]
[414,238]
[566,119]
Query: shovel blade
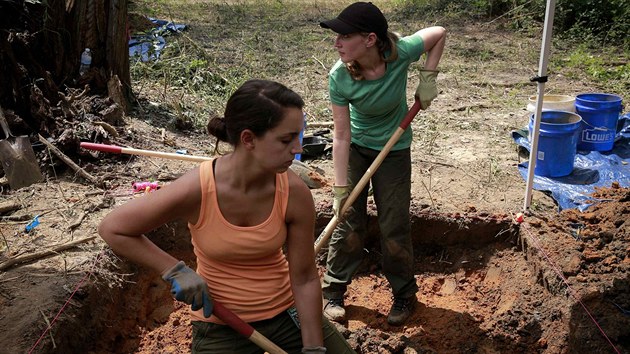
[19,162]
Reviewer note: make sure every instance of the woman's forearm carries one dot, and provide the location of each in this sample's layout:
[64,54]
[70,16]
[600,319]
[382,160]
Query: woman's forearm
[341,152]
[308,302]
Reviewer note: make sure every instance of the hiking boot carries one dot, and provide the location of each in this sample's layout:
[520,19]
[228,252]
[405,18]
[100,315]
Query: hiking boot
[334,310]
[401,310]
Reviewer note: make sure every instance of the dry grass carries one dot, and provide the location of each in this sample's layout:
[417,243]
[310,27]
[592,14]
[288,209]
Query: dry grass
[229,42]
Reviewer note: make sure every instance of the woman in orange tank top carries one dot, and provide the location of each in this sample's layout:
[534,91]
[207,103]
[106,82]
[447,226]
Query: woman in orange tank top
[243,209]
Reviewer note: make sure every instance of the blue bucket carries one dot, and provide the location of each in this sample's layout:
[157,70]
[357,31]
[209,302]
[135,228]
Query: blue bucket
[599,112]
[301,137]
[557,142]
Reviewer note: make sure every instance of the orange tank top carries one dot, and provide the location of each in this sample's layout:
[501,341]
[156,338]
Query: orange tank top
[244,267]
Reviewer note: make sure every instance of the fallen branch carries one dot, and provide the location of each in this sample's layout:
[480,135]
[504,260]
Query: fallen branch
[77,221]
[33,256]
[320,124]
[68,161]
[9,206]
[22,217]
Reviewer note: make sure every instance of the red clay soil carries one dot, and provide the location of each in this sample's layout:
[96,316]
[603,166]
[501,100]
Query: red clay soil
[560,286]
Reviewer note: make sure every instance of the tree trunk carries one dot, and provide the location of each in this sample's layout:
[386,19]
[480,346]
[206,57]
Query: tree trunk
[40,50]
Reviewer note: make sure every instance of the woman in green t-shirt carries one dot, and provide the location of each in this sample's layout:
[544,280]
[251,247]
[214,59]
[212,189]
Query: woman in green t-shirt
[368,88]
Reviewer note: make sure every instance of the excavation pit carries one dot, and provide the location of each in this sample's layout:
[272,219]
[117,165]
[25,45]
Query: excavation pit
[487,284]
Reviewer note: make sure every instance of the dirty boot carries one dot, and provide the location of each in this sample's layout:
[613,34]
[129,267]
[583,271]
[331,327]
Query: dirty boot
[334,310]
[401,310]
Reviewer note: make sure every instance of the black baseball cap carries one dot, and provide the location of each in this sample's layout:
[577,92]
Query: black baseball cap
[359,17]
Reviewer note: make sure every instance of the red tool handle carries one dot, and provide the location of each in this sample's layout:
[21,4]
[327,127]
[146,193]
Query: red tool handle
[245,329]
[131,151]
[102,147]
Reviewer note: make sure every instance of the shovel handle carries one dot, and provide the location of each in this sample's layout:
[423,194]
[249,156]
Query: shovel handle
[4,124]
[325,235]
[123,150]
[246,330]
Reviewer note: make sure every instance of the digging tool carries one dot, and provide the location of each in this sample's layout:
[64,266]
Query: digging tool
[245,329]
[123,150]
[309,176]
[323,237]
[18,159]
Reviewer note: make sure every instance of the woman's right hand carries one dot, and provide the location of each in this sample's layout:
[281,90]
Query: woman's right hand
[187,286]
[340,194]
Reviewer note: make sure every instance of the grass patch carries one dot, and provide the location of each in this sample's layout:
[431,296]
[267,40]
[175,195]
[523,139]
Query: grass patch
[608,68]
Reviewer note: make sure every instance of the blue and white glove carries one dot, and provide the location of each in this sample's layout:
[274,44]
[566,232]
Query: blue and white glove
[187,286]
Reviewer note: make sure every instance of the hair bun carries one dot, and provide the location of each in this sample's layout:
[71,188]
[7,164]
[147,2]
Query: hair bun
[216,126]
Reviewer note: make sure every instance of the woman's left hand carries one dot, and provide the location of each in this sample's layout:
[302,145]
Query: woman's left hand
[427,88]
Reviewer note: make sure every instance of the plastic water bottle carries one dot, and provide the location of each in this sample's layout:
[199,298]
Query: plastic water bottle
[86,61]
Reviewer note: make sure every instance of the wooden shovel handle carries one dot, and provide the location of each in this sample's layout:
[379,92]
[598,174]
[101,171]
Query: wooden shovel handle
[325,235]
[4,124]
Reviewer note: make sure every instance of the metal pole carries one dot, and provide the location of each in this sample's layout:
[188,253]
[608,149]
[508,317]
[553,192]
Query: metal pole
[540,79]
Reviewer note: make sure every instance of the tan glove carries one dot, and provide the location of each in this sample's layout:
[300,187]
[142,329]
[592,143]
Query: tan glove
[427,88]
[341,194]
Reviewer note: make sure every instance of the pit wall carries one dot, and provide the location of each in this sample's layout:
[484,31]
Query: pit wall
[593,317]
[113,318]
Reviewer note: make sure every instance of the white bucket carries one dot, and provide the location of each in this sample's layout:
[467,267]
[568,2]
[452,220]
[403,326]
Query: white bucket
[553,103]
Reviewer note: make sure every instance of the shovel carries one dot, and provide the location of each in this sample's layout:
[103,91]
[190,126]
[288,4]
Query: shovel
[18,159]
[325,235]
[245,329]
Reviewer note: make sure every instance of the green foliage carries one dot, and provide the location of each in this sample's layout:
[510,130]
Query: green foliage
[604,20]
[610,74]
[474,9]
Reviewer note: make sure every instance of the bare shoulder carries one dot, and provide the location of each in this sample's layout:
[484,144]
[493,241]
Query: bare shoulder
[297,186]
[300,197]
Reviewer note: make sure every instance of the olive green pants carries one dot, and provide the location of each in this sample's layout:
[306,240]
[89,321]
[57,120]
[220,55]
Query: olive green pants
[391,184]
[212,338]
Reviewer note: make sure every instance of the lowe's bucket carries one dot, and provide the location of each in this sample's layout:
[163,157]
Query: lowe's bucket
[558,136]
[599,112]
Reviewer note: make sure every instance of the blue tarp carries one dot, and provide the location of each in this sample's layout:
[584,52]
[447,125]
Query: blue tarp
[148,46]
[591,169]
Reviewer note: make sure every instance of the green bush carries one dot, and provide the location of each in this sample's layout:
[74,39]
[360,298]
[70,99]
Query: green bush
[607,21]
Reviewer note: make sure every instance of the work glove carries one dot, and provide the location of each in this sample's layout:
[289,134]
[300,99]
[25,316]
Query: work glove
[341,194]
[427,89]
[187,286]
[314,350]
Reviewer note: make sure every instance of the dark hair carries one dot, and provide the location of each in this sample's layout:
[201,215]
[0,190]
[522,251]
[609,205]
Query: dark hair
[258,105]
[383,47]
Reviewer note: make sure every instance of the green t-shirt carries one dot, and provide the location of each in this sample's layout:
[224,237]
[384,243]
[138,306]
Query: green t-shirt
[377,106]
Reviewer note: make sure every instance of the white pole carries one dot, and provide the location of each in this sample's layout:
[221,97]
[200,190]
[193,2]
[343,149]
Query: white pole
[540,79]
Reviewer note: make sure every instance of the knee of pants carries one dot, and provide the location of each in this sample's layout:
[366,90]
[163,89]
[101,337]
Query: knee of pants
[350,243]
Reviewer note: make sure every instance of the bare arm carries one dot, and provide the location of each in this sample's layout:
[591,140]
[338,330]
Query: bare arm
[434,40]
[305,283]
[123,229]
[341,143]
